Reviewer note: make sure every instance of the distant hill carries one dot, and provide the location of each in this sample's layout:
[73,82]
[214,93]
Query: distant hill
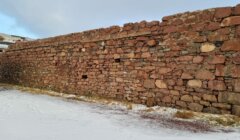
[6,40]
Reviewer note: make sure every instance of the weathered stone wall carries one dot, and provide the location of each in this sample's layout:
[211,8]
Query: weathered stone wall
[189,60]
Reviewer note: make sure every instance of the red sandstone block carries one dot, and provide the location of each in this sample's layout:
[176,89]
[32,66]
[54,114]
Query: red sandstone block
[236,10]
[217,59]
[213,26]
[231,45]
[230,21]
[223,12]
[204,75]
[170,29]
[237,32]
[216,85]
[185,58]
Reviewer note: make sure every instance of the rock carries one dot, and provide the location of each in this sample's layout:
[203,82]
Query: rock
[236,110]
[217,85]
[185,58]
[205,103]
[146,55]
[197,59]
[221,105]
[229,97]
[167,99]
[217,59]
[211,98]
[236,10]
[164,70]
[223,12]
[150,102]
[237,85]
[230,21]
[204,75]
[149,83]
[186,76]
[151,43]
[181,104]
[212,110]
[207,47]
[194,83]
[174,92]
[187,98]
[231,45]
[195,107]
[160,84]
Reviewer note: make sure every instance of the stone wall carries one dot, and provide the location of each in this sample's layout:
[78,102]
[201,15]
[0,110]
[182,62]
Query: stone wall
[189,60]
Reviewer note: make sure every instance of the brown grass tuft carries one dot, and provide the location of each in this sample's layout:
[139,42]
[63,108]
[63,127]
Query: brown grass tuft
[184,115]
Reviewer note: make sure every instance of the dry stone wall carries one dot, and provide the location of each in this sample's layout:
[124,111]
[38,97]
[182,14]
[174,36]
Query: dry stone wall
[189,60]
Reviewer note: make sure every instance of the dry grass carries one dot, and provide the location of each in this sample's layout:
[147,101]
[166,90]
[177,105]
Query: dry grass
[228,120]
[184,115]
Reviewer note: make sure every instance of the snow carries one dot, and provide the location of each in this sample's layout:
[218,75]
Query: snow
[25,116]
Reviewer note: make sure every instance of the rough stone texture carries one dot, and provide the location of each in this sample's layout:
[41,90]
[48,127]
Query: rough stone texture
[194,83]
[231,45]
[204,75]
[160,84]
[195,107]
[207,47]
[188,60]
[236,110]
[228,97]
[217,85]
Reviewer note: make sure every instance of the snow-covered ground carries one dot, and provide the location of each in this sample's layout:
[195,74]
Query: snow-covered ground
[25,116]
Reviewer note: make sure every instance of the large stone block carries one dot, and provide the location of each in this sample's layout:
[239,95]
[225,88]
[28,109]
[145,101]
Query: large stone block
[211,98]
[236,110]
[187,98]
[229,97]
[204,75]
[237,85]
[223,12]
[231,45]
[195,107]
[230,21]
[149,83]
[194,83]
[216,85]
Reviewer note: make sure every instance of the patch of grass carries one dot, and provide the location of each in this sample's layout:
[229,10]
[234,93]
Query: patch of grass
[184,115]
[226,120]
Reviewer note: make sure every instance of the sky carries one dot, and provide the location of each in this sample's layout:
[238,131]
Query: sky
[46,18]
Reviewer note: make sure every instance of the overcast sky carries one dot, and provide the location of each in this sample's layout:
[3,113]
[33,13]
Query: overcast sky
[45,18]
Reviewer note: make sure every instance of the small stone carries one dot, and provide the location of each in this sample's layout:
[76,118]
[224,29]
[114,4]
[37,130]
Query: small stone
[211,98]
[194,83]
[146,55]
[207,47]
[221,105]
[167,99]
[174,92]
[186,76]
[205,103]
[181,104]
[216,85]
[195,107]
[217,59]
[231,45]
[161,84]
[204,75]
[197,59]
[150,102]
[230,21]
[236,110]
[151,43]
[164,70]
[149,83]
[212,110]
[187,98]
